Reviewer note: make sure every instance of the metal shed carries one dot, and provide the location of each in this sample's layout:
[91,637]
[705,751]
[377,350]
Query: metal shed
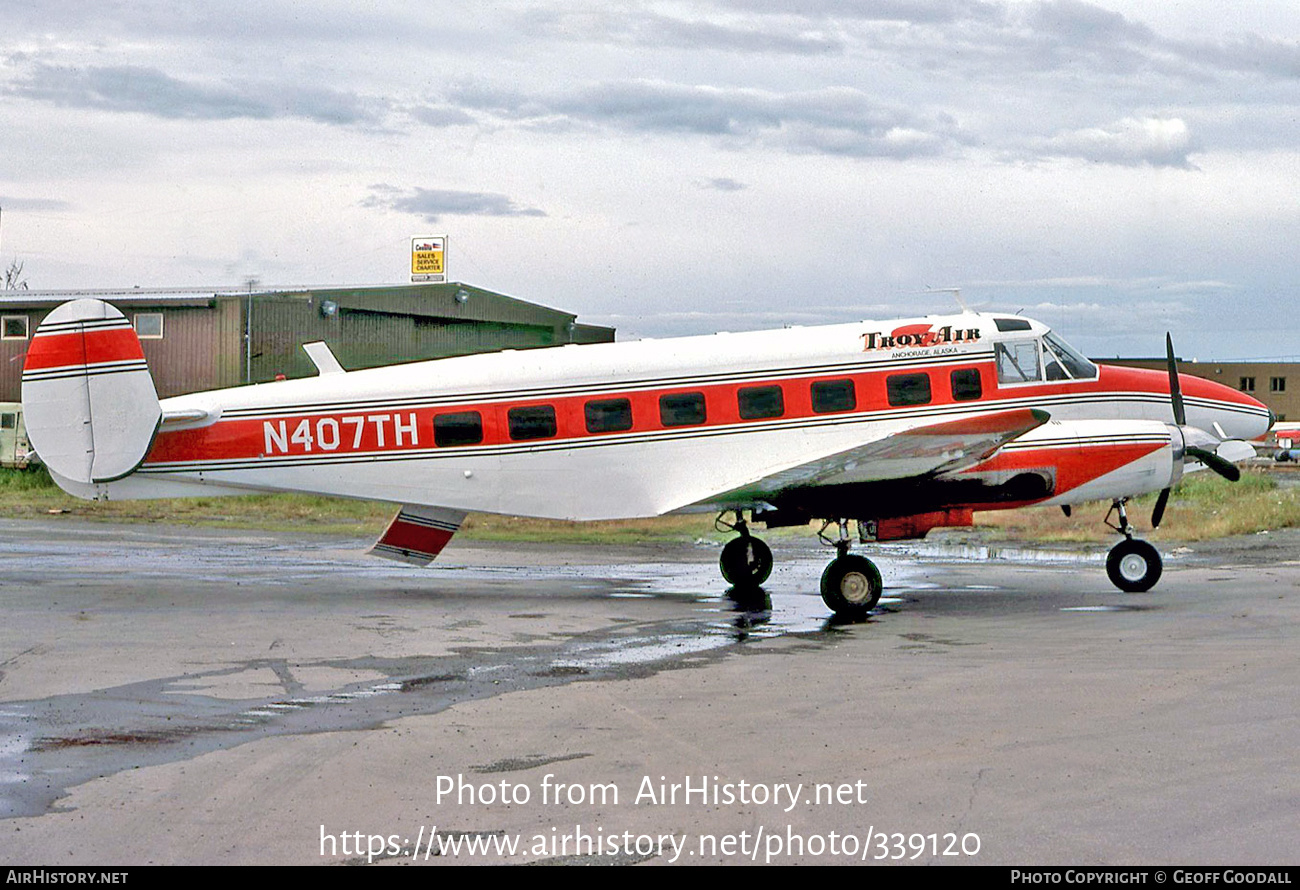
[196,340]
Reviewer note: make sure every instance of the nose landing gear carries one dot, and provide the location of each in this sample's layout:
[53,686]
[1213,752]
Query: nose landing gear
[1134,566]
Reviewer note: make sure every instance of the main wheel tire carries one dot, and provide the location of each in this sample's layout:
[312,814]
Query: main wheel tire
[1134,566]
[745,561]
[851,586]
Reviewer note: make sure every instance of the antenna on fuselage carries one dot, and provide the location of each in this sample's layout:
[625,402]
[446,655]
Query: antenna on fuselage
[955,291]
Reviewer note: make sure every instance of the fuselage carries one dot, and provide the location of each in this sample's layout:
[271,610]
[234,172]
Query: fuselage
[647,427]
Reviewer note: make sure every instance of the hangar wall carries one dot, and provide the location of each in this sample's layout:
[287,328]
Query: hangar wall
[199,340]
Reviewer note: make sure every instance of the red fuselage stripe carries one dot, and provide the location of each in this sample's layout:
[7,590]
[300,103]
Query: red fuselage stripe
[386,430]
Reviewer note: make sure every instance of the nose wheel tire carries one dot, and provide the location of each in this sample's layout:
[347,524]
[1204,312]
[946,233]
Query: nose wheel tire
[745,562]
[1134,566]
[851,586]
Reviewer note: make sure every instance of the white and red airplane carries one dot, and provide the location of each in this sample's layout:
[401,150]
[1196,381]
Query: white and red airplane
[900,426]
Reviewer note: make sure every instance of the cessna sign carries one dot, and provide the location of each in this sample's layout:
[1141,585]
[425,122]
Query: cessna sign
[429,259]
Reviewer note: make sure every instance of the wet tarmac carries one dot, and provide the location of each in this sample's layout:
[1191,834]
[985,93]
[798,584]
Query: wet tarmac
[201,696]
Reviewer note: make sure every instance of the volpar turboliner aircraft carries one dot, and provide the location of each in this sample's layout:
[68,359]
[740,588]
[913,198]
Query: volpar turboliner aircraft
[899,426]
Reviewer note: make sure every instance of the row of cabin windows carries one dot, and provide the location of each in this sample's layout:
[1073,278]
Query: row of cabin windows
[688,408]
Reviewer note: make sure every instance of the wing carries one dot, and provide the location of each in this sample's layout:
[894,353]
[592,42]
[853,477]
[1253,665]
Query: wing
[917,451]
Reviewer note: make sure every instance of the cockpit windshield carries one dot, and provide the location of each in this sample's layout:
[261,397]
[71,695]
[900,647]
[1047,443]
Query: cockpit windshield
[1018,361]
[1063,363]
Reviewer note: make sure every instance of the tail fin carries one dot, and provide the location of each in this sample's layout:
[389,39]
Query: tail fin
[88,400]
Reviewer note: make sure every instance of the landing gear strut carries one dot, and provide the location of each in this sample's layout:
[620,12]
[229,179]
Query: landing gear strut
[745,561]
[1134,566]
[851,585]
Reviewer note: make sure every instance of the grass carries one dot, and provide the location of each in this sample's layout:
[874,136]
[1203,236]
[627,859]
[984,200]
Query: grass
[1203,506]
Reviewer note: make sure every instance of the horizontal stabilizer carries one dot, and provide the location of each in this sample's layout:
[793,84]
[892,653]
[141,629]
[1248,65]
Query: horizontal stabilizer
[323,358]
[88,400]
[418,534]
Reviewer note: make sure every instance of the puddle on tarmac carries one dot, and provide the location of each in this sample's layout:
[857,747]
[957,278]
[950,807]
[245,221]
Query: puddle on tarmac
[52,744]
[1106,609]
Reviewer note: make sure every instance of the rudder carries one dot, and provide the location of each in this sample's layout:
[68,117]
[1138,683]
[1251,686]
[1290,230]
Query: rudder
[88,399]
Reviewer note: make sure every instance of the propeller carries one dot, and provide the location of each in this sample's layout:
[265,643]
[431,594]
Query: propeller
[1225,468]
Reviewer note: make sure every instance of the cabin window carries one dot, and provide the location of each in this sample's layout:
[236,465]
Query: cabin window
[1012,324]
[833,395]
[966,385]
[1018,361]
[15,327]
[461,428]
[908,389]
[533,422]
[8,421]
[681,409]
[756,402]
[608,415]
[149,325]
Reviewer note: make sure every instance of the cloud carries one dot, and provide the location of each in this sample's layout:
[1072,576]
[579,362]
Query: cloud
[723,184]
[647,29]
[832,120]
[33,204]
[137,89]
[1158,142]
[432,204]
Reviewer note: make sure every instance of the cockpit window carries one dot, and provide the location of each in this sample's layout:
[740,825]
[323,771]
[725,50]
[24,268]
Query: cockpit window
[1063,363]
[1018,361]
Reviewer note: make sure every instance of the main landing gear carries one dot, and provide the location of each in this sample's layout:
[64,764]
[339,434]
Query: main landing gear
[1134,566]
[746,561]
[850,586]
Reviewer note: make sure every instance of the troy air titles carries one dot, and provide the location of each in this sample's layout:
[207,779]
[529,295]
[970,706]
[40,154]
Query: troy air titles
[914,336]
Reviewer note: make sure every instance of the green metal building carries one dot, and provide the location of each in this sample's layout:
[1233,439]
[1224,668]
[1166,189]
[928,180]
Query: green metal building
[198,340]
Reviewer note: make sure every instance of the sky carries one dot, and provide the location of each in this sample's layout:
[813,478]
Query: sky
[1113,169]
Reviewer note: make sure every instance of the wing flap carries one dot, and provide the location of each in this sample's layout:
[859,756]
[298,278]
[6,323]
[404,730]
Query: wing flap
[917,451]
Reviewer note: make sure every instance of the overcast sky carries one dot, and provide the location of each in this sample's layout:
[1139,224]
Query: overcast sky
[1113,169]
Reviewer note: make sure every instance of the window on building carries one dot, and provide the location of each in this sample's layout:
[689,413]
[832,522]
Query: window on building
[15,327]
[460,428]
[149,325]
[1277,384]
[1247,384]
[966,384]
[833,395]
[681,409]
[533,422]
[8,421]
[608,415]
[756,402]
[908,389]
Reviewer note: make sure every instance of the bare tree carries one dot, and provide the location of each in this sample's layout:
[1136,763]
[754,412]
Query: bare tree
[14,279]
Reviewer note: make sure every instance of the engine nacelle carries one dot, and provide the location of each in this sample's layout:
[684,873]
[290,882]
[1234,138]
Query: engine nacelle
[1090,460]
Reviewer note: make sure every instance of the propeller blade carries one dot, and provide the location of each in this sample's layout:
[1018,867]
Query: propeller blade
[1159,512]
[1225,468]
[1175,391]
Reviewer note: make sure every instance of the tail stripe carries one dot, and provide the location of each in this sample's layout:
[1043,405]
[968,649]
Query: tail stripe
[84,371]
[96,346]
[88,401]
